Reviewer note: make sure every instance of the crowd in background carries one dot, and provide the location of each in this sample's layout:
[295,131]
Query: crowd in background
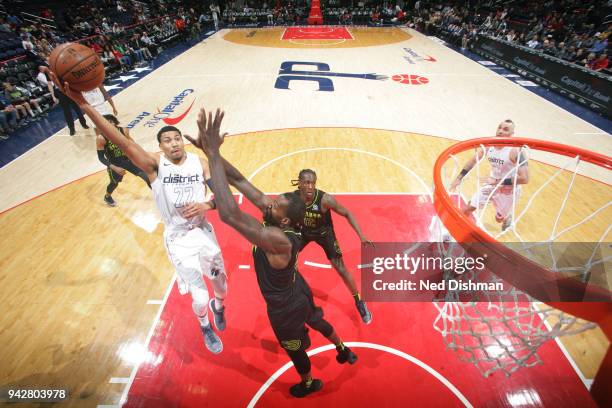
[126,33]
[571,30]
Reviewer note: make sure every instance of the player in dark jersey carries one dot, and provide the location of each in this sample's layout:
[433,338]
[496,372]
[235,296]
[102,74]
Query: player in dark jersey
[116,161]
[289,301]
[318,227]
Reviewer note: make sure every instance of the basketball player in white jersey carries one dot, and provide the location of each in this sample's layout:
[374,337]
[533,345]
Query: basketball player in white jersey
[97,98]
[178,180]
[504,180]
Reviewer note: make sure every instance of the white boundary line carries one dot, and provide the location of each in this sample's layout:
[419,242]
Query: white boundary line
[119,380]
[374,346]
[348,149]
[126,390]
[317,265]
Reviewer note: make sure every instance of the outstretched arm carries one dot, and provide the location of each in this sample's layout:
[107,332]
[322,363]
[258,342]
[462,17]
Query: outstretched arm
[466,169]
[272,240]
[147,162]
[330,203]
[236,179]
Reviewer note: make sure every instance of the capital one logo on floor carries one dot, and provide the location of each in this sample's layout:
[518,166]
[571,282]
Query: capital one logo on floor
[174,112]
[413,57]
[323,76]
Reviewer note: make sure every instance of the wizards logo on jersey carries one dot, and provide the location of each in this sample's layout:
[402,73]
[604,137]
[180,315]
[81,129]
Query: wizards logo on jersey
[323,76]
[179,179]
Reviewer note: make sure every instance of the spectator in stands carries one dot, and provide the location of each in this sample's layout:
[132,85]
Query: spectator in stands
[346,18]
[13,20]
[120,54]
[568,54]
[580,57]
[600,63]
[20,99]
[548,47]
[149,43]
[215,11]
[375,17]
[4,26]
[26,42]
[66,103]
[8,118]
[600,44]
[590,61]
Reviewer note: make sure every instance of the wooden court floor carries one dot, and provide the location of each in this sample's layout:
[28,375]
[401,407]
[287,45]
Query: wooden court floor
[81,282]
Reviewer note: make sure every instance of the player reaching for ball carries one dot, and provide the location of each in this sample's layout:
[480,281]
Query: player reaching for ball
[178,180]
[289,302]
[503,185]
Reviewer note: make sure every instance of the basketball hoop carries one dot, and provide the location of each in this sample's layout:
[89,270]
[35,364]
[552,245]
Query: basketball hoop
[475,328]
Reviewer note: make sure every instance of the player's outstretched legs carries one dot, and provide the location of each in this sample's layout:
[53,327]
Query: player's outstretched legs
[219,283]
[349,281]
[199,296]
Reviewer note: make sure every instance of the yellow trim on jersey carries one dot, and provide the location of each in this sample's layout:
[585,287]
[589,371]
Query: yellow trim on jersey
[314,200]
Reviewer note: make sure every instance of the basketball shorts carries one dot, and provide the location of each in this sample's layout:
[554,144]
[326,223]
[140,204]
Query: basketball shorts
[290,326]
[502,199]
[326,240]
[195,253]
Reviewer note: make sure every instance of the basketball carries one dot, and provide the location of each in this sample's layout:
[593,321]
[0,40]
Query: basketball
[78,65]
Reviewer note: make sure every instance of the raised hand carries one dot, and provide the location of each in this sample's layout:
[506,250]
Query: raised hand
[210,138]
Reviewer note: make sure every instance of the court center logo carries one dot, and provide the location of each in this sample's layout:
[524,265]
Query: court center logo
[322,75]
[168,114]
[414,57]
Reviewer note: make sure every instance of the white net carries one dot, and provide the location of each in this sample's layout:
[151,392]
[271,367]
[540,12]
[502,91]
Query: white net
[502,331]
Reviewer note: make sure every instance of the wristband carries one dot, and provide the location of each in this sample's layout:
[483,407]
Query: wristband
[507,182]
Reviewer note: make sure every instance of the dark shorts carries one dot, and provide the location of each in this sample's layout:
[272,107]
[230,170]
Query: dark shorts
[326,240]
[290,325]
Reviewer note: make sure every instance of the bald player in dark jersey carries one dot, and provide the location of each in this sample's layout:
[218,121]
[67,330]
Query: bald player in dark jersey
[116,161]
[288,297]
[318,227]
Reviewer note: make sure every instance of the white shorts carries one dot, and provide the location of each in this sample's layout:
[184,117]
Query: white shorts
[195,253]
[501,199]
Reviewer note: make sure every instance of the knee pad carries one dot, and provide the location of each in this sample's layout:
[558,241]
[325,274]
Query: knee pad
[199,297]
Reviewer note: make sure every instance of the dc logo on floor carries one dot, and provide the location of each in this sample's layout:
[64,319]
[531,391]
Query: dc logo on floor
[322,75]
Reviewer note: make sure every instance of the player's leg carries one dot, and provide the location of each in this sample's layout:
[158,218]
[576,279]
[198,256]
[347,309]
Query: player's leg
[114,179]
[503,201]
[292,334]
[479,199]
[330,245]
[218,279]
[199,304]
[211,261]
[315,320]
[186,262]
